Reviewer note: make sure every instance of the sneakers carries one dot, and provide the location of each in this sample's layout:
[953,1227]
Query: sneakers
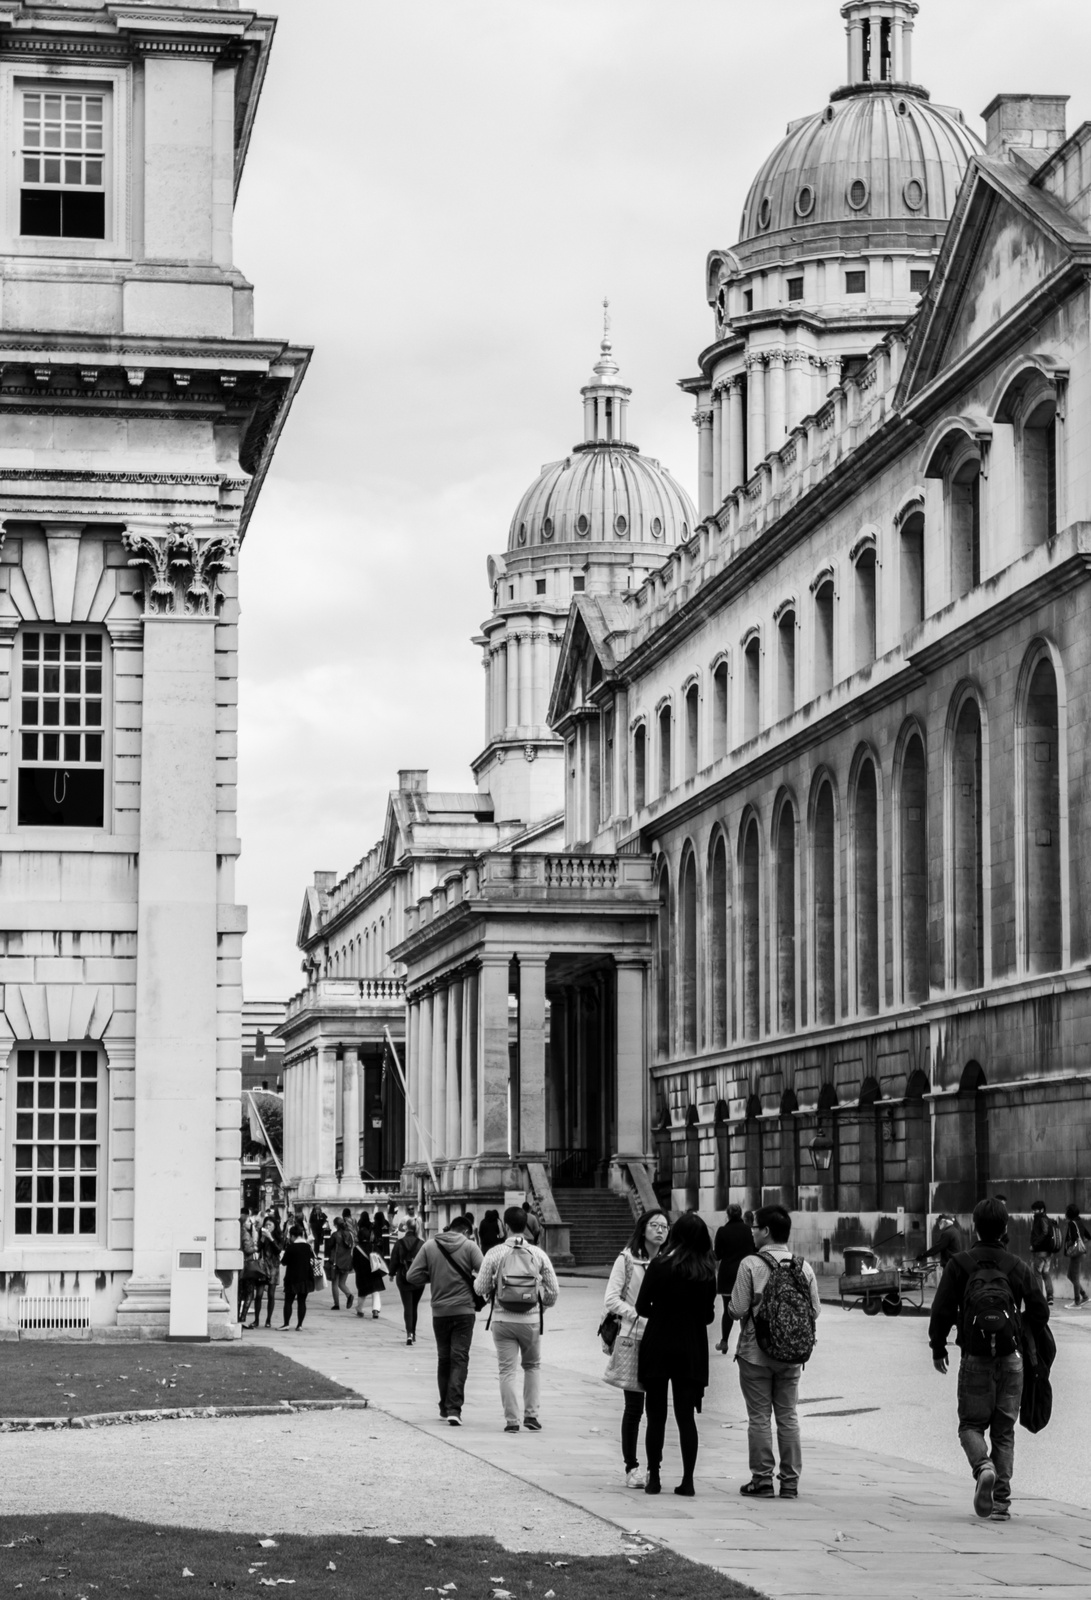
[374,1315]
[349,1298]
[759,1491]
[410,1339]
[789,1491]
[1000,1512]
[634,1478]
[511,1427]
[454,1419]
[532,1424]
[983,1489]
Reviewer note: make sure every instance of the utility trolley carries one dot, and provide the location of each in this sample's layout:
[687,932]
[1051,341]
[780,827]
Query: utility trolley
[876,1288]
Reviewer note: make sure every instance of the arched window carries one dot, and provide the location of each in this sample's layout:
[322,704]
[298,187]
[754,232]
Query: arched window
[1042,822]
[918,1145]
[717,943]
[785,946]
[752,689]
[722,1129]
[865,829]
[640,746]
[824,906]
[964,520]
[789,1150]
[688,986]
[786,663]
[1030,404]
[693,718]
[913,871]
[662,966]
[665,749]
[720,689]
[967,864]
[911,548]
[755,1153]
[823,637]
[871,1147]
[829,1181]
[973,1136]
[693,1159]
[865,573]
[750,941]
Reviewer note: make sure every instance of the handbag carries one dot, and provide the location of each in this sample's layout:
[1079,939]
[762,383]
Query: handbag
[378,1264]
[319,1275]
[610,1326]
[1076,1246]
[622,1367]
[479,1299]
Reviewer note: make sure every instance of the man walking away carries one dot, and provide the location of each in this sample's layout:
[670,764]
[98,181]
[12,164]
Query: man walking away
[947,1243]
[518,1278]
[448,1262]
[988,1296]
[299,1265]
[775,1300]
[1045,1241]
[733,1241]
[341,1262]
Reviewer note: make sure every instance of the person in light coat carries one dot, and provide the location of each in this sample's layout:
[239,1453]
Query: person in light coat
[649,1237]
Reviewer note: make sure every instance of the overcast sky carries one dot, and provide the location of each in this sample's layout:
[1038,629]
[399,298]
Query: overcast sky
[437,197]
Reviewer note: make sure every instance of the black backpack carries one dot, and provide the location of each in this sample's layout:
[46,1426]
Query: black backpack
[990,1318]
[784,1319]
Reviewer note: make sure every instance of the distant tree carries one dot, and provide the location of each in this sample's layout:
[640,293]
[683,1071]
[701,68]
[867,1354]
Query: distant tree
[271,1107]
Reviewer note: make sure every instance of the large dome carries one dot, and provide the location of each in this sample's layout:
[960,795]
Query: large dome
[605,493]
[875,152]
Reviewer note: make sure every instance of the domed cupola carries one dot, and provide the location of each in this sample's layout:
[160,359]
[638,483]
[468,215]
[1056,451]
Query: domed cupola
[839,236]
[605,491]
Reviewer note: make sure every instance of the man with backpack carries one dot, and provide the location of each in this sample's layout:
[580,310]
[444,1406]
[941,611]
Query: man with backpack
[518,1281]
[1045,1243]
[448,1262]
[990,1297]
[775,1302]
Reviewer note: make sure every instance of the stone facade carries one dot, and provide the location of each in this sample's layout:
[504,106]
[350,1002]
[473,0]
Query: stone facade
[140,418]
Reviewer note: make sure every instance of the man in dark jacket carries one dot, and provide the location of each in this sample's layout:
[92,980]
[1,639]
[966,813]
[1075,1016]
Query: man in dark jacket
[733,1241]
[449,1262]
[1041,1246]
[947,1242]
[970,1298]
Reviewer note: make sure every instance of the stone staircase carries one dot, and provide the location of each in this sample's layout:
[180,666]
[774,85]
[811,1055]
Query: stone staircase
[599,1222]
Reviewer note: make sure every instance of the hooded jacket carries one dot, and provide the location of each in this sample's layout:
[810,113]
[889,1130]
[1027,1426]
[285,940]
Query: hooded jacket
[451,1296]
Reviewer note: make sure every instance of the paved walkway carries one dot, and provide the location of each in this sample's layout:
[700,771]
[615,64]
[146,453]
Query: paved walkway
[866,1523]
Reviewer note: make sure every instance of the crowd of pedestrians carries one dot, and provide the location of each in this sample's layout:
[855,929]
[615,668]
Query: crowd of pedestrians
[659,1303]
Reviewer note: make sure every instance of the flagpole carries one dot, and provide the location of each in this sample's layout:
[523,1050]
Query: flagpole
[268,1141]
[412,1108]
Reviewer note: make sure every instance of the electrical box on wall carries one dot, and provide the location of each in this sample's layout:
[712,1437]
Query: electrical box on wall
[189,1289]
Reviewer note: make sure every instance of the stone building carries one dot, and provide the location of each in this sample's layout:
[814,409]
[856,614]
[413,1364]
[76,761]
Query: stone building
[141,416]
[823,842]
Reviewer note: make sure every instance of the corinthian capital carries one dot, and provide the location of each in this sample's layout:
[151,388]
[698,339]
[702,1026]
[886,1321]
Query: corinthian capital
[181,565]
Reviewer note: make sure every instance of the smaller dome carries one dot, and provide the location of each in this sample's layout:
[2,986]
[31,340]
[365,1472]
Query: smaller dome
[606,494]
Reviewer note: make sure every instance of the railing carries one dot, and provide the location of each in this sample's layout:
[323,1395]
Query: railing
[571,1168]
[580,872]
[342,991]
[55,1311]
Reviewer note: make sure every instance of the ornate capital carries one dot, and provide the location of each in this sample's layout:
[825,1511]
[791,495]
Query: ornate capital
[181,566]
[703,419]
[755,360]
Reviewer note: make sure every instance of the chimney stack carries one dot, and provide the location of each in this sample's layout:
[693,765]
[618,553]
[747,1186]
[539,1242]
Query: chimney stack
[1029,125]
[413,780]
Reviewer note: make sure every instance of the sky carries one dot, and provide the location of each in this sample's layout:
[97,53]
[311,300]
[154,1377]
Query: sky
[437,197]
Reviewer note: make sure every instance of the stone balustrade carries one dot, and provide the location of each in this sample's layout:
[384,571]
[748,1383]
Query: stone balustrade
[532,876]
[346,992]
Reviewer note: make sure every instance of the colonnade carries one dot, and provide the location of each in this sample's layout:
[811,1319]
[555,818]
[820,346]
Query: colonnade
[519,666]
[322,1103]
[751,414]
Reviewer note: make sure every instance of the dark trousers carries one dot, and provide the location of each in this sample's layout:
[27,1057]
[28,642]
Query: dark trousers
[410,1302]
[726,1321]
[686,1399]
[269,1291]
[1078,1291]
[630,1427]
[299,1297]
[453,1337]
[989,1393]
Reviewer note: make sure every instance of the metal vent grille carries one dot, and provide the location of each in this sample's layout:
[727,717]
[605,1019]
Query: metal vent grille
[54,1311]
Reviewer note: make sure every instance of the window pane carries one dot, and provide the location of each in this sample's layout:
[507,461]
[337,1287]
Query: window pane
[89,1064]
[30,680]
[88,1125]
[66,1219]
[92,747]
[24,1189]
[71,680]
[51,713]
[47,1061]
[68,1063]
[46,1093]
[93,172]
[71,713]
[51,747]
[73,646]
[52,646]
[30,747]
[88,1189]
[68,1096]
[93,643]
[67,1162]
[30,713]
[43,1220]
[24,1125]
[87,1219]
[22,1219]
[71,747]
[66,1125]
[30,646]
[66,1190]
[25,1094]
[25,1066]
[52,168]
[89,1157]
[93,683]
[45,1156]
[89,1096]
[45,1191]
[93,714]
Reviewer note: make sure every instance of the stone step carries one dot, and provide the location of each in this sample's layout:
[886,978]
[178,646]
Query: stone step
[599,1223]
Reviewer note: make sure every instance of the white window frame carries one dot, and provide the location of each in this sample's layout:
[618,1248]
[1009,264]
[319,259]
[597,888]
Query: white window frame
[114,83]
[59,836]
[58,1241]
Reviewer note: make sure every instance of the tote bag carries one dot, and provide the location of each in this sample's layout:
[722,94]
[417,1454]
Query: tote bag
[621,1368]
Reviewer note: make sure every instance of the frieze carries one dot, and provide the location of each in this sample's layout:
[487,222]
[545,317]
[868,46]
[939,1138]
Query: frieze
[210,480]
[182,565]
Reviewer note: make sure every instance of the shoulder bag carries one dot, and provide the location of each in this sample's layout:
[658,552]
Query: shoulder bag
[478,1299]
[610,1326]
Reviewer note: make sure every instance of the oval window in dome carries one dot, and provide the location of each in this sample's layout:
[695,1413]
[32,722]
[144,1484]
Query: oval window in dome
[902,108]
[547,528]
[827,115]
[583,527]
[621,525]
[805,201]
[522,533]
[657,527]
[765,212]
[858,194]
[913,194]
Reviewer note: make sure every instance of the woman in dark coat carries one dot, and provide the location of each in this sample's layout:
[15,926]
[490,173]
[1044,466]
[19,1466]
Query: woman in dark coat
[1075,1231]
[402,1256]
[678,1297]
[380,1234]
[491,1231]
[733,1241]
[299,1264]
[368,1282]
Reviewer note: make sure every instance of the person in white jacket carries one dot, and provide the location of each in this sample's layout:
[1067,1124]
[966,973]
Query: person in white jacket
[648,1238]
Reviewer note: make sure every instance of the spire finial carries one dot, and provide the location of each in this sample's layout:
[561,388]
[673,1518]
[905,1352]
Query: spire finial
[606,368]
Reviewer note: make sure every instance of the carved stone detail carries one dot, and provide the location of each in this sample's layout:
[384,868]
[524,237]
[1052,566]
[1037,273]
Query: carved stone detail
[181,568]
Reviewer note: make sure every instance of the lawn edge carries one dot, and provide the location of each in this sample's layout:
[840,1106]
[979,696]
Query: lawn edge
[107,1419]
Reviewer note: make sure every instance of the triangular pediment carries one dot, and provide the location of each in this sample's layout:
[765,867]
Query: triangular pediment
[1006,242]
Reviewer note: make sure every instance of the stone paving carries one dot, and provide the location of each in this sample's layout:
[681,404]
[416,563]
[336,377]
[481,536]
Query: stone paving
[866,1523]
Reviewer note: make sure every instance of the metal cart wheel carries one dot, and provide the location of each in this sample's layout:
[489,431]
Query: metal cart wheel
[871,1305]
[892,1304]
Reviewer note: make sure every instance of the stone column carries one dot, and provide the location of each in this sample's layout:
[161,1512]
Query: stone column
[703,419]
[631,1072]
[526,680]
[424,1082]
[532,1047]
[736,437]
[717,449]
[896,50]
[755,389]
[412,1077]
[326,1177]
[493,1063]
[469,1067]
[511,646]
[776,400]
[500,690]
[352,1187]
[455,1044]
[439,1073]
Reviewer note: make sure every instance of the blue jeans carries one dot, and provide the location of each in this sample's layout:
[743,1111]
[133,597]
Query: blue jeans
[989,1392]
[453,1337]
[768,1391]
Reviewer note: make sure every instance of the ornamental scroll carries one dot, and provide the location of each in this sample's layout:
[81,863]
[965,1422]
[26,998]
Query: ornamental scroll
[181,566]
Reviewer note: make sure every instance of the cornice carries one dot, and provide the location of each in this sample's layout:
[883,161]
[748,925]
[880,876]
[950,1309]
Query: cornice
[211,480]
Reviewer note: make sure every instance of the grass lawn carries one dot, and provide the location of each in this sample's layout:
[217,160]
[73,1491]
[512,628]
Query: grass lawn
[41,1379]
[75,1557]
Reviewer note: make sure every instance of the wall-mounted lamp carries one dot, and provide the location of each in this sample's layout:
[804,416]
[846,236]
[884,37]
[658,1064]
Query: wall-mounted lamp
[820,1150]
